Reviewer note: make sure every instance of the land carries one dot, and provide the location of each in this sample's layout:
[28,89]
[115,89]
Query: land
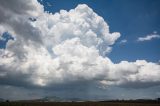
[89,103]
[55,101]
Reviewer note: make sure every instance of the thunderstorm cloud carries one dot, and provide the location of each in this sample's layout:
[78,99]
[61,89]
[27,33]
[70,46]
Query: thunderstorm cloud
[66,47]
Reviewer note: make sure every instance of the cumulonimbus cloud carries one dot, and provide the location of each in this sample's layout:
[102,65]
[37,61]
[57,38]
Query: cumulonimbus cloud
[64,47]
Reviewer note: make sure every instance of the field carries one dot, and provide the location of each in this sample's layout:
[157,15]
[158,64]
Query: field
[76,104]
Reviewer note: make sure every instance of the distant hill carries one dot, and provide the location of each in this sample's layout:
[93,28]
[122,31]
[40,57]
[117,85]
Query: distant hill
[45,99]
[58,99]
[2,100]
[51,99]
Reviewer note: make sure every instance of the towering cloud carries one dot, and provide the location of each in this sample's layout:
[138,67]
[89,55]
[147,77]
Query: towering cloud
[63,48]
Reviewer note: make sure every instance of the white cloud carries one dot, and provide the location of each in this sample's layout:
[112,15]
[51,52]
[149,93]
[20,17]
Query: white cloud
[149,37]
[130,73]
[65,47]
[123,41]
[80,22]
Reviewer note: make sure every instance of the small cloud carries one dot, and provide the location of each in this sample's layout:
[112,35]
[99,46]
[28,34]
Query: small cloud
[49,4]
[123,41]
[155,32]
[149,37]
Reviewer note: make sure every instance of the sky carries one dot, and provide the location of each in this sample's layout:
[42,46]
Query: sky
[86,49]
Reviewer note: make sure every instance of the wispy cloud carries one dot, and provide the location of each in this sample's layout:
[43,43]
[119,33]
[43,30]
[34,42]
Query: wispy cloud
[123,41]
[148,37]
[49,4]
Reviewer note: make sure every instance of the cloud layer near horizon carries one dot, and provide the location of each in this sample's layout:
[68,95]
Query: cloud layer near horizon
[64,48]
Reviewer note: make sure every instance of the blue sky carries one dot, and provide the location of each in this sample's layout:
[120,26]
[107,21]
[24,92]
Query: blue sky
[132,18]
[5,37]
